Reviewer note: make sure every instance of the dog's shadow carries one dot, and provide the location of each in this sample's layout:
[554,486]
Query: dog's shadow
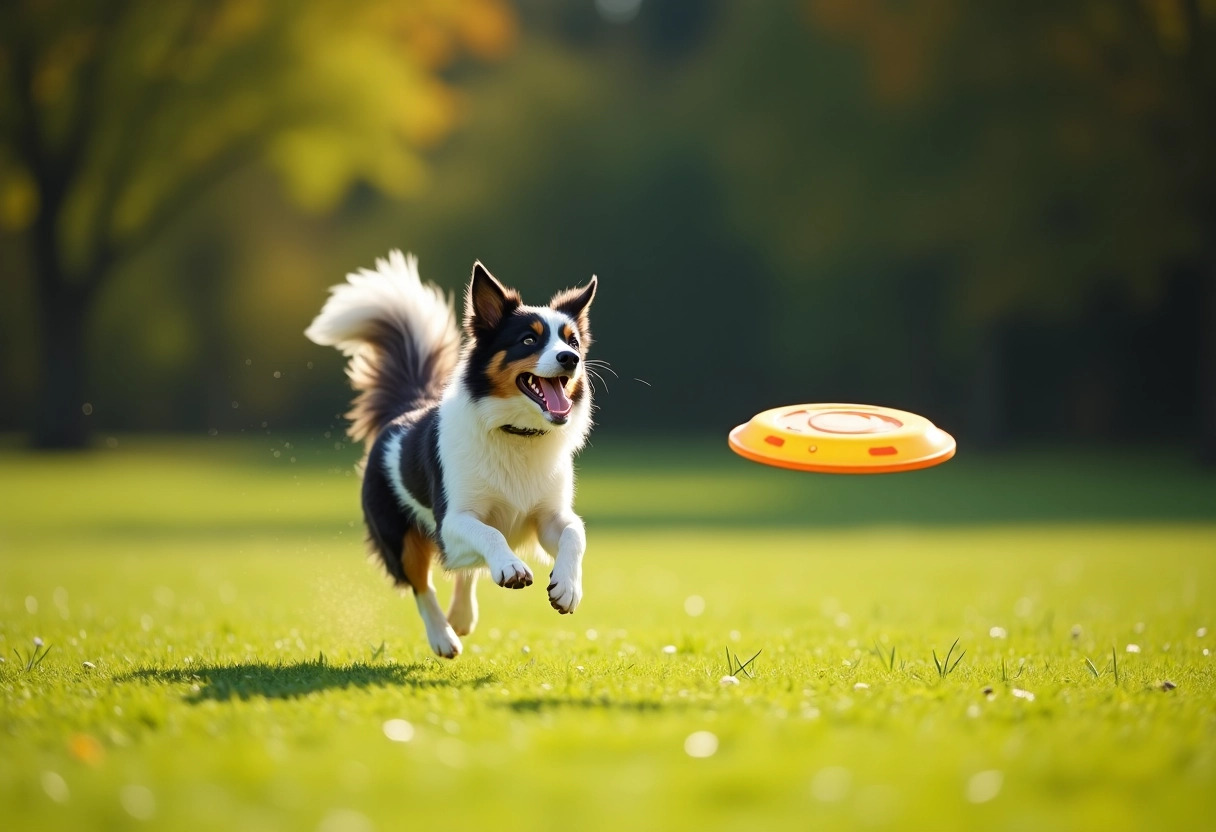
[291,680]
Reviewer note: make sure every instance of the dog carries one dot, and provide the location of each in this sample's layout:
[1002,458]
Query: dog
[469,448]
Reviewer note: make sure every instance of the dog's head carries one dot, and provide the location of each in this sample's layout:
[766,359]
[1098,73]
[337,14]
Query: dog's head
[528,359]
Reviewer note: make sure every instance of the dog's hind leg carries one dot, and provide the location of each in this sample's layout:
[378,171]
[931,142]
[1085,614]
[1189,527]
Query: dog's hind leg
[417,553]
[462,614]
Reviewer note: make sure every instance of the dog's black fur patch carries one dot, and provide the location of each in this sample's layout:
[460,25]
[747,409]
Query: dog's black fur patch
[422,475]
[508,337]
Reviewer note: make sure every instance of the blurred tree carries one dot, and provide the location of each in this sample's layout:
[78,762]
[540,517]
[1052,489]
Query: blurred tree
[1005,159]
[116,117]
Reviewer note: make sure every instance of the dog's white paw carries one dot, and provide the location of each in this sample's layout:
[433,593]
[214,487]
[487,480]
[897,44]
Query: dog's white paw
[565,594]
[513,574]
[463,616]
[445,642]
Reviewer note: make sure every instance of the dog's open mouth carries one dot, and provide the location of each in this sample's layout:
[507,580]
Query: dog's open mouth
[549,393]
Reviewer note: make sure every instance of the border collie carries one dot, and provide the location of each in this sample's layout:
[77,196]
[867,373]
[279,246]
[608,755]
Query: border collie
[469,449]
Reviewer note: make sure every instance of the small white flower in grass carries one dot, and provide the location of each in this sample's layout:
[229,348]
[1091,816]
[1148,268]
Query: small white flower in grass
[727,681]
[701,744]
[398,730]
[1023,694]
[37,641]
[1133,648]
[861,686]
[694,605]
[88,665]
[55,786]
[139,801]
[1201,632]
[998,632]
[984,786]
[831,784]
[669,649]
[973,711]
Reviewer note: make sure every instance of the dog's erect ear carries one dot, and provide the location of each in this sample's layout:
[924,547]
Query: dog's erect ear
[487,302]
[577,304]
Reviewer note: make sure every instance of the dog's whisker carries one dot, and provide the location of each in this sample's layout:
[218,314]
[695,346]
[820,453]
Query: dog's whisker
[603,365]
[593,376]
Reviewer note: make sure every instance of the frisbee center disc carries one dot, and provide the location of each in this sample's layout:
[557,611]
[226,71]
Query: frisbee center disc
[852,422]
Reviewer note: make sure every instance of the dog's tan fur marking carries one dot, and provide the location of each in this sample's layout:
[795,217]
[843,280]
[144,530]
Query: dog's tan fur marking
[416,555]
[503,373]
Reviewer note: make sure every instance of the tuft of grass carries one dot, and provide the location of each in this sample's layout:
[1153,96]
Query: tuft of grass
[944,667]
[887,659]
[734,667]
[29,659]
[1005,677]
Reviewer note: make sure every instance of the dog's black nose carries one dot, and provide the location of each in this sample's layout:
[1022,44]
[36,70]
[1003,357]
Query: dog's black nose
[568,360]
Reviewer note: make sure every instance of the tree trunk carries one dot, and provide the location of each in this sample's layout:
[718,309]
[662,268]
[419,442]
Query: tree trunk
[61,421]
[1207,364]
[60,418]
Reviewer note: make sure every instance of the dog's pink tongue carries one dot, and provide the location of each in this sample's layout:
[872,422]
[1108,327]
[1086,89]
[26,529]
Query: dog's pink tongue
[556,400]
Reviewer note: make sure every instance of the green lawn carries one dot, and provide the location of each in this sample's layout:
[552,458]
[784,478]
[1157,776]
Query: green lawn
[251,670]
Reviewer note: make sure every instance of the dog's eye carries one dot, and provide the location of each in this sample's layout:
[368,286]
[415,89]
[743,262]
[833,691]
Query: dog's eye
[529,340]
[573,342]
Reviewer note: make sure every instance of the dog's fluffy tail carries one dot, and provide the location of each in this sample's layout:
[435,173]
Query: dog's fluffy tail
[400,335]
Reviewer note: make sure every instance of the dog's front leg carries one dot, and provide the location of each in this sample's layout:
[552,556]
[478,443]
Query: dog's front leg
[469,542]
[565,538]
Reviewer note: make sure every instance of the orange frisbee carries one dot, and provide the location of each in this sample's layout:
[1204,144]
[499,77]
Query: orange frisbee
[842,439]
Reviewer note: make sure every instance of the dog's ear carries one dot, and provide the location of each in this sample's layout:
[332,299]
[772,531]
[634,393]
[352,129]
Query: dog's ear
[487,302]
[577,304]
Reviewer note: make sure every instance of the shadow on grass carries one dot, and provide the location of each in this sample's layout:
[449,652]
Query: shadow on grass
[247,680]
[535,705]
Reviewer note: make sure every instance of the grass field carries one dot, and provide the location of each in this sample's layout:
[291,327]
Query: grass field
[223,656]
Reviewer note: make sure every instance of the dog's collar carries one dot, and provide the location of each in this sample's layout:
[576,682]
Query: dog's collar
[514,431]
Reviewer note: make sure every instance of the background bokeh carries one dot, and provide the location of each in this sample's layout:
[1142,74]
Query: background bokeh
[1001,216]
